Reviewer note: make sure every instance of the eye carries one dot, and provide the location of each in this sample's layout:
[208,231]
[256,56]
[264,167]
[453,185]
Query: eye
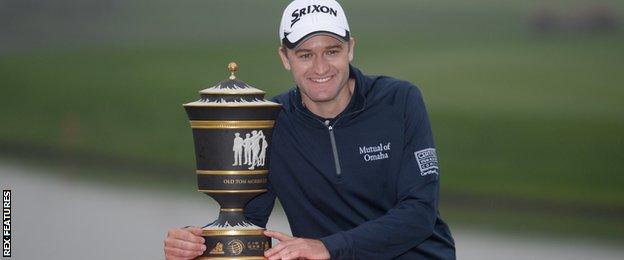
[332,52]
[305,56]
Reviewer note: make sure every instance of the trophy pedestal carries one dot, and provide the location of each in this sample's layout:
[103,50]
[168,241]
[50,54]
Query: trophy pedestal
[235,244]
[231,236]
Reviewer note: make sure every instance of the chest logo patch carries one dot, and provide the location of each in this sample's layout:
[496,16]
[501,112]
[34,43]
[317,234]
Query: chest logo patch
[427,161]
[376,152]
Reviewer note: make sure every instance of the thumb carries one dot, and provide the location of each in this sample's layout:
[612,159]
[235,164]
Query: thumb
[195,230]
[278,235]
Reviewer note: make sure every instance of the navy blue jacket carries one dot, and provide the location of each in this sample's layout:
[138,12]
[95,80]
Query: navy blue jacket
[366,182]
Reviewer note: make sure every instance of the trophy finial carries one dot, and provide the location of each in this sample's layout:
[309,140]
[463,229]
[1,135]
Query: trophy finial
[232,67]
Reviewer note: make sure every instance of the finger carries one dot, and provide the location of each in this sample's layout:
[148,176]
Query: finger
[174,258]
[185,245]
[277,235]
[186,257]
[278,255]
[275,250]
[185,234]
[289,254]
[176,253]
[195,230]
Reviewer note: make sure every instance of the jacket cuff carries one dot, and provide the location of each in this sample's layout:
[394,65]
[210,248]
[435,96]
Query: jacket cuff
[337,245]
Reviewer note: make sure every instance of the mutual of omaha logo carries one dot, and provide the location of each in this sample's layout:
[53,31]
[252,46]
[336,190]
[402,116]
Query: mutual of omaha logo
[427,161]
[251,150]
[236,247]
[375,152]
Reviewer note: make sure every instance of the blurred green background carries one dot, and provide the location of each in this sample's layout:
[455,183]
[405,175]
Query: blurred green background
[526,98]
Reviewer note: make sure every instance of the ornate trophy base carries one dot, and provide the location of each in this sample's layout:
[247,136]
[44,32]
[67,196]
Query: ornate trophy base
[233,244]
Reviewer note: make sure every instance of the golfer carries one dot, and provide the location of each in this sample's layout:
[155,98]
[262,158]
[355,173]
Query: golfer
[353,161]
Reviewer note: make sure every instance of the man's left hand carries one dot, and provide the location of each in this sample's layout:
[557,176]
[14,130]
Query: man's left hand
[295,247]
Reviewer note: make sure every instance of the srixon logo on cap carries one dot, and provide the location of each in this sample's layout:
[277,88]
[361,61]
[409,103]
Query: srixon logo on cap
[298,13]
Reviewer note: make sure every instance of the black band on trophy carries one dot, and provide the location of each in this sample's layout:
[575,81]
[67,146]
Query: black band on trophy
[232,149]
[236,246]
[232,182]
[229,112]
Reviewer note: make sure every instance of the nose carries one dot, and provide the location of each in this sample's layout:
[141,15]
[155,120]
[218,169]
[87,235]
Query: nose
[321,66]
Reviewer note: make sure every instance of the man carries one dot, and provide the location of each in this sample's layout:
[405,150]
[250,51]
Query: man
[353,160]
[237,147]
[247,148]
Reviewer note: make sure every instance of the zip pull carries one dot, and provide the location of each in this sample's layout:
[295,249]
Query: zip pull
[332,139]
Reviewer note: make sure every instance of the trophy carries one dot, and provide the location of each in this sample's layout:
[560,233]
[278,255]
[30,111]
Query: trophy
[232,125]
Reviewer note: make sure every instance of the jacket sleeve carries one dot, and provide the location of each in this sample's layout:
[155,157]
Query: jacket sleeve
[260,207]
[411,220]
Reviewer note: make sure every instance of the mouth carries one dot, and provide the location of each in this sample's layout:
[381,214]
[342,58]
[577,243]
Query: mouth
[321,80]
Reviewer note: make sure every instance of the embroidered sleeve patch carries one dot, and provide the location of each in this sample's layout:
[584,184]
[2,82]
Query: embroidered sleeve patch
[427,161]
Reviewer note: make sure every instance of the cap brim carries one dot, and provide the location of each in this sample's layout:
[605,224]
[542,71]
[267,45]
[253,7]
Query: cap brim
[293,39]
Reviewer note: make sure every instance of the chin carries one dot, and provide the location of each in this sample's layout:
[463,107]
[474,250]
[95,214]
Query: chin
[321,98]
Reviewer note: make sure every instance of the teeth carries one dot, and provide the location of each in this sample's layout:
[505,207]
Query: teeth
[321,80]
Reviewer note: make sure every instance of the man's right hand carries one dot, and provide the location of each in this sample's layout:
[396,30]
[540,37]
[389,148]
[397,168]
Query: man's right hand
[184,243]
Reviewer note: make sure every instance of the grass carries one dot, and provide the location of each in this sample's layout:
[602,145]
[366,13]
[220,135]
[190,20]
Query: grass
[538,225]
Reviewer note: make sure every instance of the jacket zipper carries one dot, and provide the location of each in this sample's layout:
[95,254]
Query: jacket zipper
[332,139]
[334,149]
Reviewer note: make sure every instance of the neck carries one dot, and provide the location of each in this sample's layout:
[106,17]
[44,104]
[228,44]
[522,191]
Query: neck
[330,109]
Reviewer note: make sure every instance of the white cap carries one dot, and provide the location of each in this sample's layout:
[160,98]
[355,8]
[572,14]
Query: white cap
[304,18]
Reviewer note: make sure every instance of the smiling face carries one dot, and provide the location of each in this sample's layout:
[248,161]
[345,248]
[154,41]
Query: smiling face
[320,67]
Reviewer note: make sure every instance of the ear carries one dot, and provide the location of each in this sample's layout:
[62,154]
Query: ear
[283,56]
[351,48]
